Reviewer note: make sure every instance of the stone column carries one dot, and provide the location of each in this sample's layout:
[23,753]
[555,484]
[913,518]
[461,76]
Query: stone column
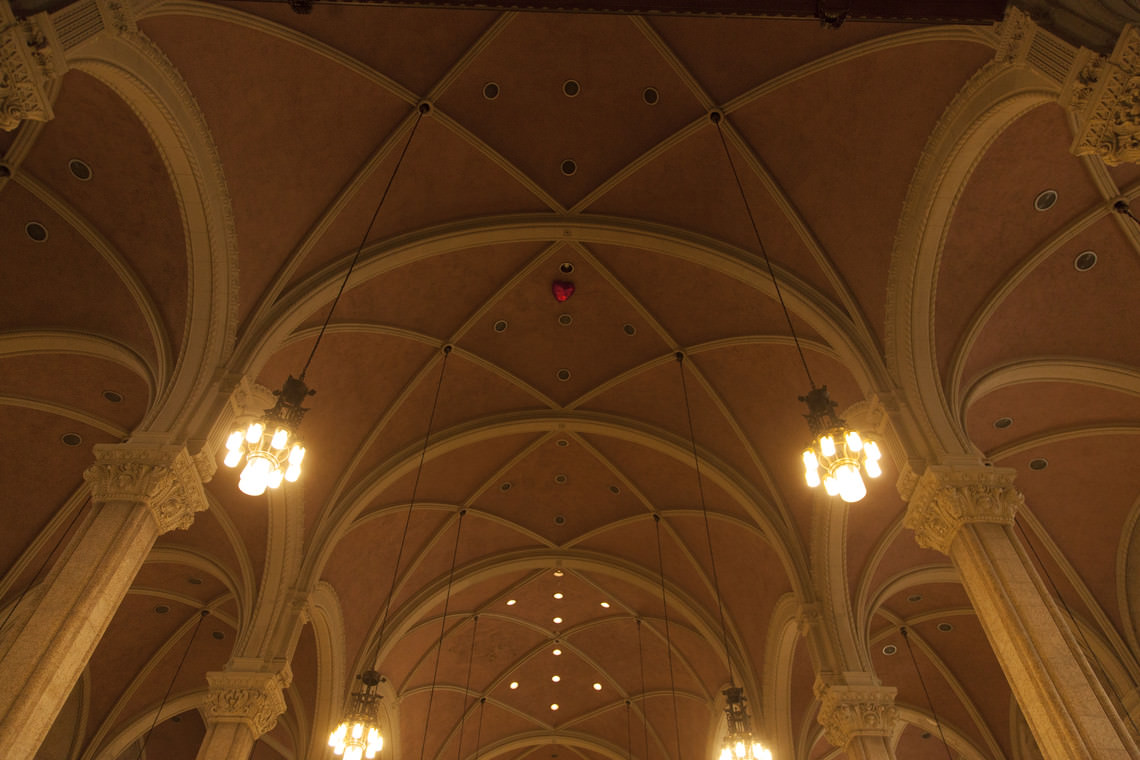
[243,705]
[858,715]
[138,493]
[967,513]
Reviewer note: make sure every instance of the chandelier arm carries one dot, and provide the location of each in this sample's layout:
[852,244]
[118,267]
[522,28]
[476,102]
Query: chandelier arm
[411,506]
[705,514]
[177,671]
[921,680]
[423,109]
[466,685]
[715,118]
[668,639]
[442,631]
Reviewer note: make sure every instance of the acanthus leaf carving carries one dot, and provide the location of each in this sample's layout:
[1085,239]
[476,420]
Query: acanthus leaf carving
[1104,96]
[947,498]
[847,712]
[30,57]
[253,698]
[164,478]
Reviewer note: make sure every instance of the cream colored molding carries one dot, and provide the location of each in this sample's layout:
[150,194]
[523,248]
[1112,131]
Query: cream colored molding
[165,478]
[1105,101]
[947,497]
[30,57]
[254,698]
[849,710]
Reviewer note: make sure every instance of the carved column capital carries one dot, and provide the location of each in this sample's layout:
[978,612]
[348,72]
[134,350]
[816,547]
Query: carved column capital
[30,57]
[254,698]
[165,478]
[945,498]
[1105,99]
[849,711]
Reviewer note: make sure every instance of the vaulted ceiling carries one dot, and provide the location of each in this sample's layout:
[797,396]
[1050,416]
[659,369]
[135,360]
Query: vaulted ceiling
[560,528]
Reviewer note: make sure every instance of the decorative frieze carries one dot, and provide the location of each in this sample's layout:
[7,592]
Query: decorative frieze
[165,478]
[846,712]
[254,698]
[30,57]
[946,498]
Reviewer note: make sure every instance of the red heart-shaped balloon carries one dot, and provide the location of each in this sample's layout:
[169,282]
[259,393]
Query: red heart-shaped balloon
[562,290]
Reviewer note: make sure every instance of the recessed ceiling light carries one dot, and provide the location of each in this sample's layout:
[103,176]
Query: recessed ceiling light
[650,96]
[79,169]
[501,326]
[890,649]
[557,573]
[565,319]
[560,478]
[505,487]
[557,652]
[597,687]
[1040,463]
[563,375]
[945,627]
[113,396]
[563,442]
[1045,200]
[560,519]
[571,88]
[629,329]
[71,439]
[194,581]
[1001,423]
[36,231]
[490,91]
[554,706]
[162,609]
[558,595]
[514,684]
[605,604]
[557,621]
[512,602]
[1085,261]
[566,267]
[218,635]
[914,598]
[569,167]
[556,679]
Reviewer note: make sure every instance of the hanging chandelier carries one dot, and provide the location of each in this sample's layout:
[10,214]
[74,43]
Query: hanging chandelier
[358,735]
[738,741]
[270,445]
[838,455]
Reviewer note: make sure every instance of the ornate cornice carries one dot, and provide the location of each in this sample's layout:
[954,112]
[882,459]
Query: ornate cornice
[165,478]
[254,698]
[945,498]
[30,57]
[1105,99]
[846,712]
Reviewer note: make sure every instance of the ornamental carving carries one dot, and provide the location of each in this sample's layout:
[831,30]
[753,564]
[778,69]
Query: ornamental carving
[846,712]
[165,478]
[255,699]
[30,57]
[1105,98]
[946,498]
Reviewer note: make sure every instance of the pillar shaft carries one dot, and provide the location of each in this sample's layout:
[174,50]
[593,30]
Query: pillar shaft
[968,514]
[138,493]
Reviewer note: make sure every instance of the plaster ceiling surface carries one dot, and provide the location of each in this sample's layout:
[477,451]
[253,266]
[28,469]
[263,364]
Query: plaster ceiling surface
[556,510]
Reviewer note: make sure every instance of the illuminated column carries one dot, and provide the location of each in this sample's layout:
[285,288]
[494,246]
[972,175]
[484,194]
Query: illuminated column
[967,513]
[858,716]
[138,492]
[243,705]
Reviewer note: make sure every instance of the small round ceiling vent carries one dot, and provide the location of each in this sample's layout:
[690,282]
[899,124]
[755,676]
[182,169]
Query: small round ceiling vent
[650,96]
[1040,463]
[1084,261]
[1045,200]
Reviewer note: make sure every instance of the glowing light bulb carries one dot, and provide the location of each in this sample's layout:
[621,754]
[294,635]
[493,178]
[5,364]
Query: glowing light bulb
[280,438]
[827,446]
[605,604]
[253,433]
[872,467]
[557,652]
[293,473]
[554,706]
[854,442]
[275,478]
[556,679]
[725,754]
[851,486]
[233,443]
[296,454]
[255,475]
[558,595]
[233,456]
[557,621]
[514,684]
[831,485]
[738,748]
[871,451]
[597,687]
